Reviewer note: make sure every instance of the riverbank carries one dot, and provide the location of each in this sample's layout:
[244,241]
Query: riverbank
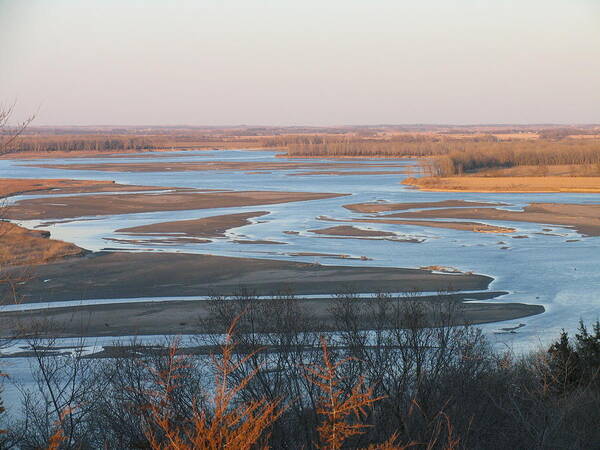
[20,246]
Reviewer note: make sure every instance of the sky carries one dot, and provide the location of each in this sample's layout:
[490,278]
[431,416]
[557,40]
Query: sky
[304,62]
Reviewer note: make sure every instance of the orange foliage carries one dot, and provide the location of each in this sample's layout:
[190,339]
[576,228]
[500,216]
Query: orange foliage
[245,426]
[228,425]
[335,407]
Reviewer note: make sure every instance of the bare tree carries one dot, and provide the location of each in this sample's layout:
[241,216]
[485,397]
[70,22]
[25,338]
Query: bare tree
[9,133]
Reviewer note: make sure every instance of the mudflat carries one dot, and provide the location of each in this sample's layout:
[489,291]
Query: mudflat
[107,204]
[130,275]
[193,317]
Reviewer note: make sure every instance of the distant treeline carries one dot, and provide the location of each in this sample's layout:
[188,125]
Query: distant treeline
[403,145]
[112,142]
[84,143]
[453,156]
[518,153]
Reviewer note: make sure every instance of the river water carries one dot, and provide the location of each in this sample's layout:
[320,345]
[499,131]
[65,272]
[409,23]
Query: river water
[543,269]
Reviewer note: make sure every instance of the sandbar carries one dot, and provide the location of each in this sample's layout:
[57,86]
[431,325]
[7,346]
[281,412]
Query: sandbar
[18,186]
[151,274]
[383,207]
[205,227]
[585,219]
[107,204]
[464,226]
[350,231]
[329,255]
[194,317]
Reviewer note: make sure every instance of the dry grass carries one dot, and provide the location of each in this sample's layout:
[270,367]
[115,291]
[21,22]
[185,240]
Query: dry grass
[507,184]
[559,170]
[20,246]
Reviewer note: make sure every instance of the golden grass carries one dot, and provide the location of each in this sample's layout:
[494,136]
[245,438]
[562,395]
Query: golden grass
[559,170]
[20,246]
[514,184]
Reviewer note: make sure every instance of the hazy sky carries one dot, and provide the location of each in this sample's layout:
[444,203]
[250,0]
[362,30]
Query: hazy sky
[304,62]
